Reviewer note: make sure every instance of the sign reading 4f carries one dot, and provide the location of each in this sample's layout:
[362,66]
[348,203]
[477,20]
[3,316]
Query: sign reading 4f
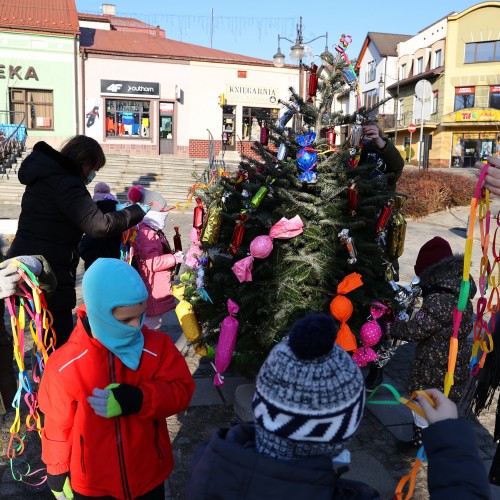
[114,87]
[17,72]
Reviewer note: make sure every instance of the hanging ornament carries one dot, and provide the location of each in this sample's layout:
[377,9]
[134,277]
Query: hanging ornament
[238,232]
[307,158]
[198,214]
[281,152]
[369,335]
[383,217]
[341,308]
[353,199]
[227,341]
[349,243]
[396,231]
[212,225]
[313,81]
[262,246]
[331,136]
[264,135]
[195,252]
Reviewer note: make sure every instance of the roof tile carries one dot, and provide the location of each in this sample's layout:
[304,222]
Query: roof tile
[57,16]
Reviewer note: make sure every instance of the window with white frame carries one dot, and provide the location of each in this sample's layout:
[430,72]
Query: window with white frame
[400,110]
[420,65]
[438,58]
[402,72]
[371,72]
[435,98]
[370,98]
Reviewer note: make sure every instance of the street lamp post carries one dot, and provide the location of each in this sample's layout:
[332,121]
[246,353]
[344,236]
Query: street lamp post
[297,51]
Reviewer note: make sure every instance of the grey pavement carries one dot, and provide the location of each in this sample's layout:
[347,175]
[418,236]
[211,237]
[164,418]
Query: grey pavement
[373,453]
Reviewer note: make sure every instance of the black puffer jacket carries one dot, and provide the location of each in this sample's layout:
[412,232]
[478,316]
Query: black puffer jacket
[432,328]
[387,161]
[229,467]
[56,210]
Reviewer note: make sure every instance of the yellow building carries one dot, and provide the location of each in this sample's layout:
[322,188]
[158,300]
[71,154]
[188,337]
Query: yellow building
[470,125]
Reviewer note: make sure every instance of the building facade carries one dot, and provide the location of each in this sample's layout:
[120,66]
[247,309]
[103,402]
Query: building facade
[39,69]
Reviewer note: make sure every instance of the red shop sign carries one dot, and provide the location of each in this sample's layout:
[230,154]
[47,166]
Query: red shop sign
[465,90]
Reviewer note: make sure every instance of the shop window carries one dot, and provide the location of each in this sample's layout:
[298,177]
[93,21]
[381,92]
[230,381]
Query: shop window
[37,106]
[435,101]
[371,72]
[254,119]
[464,97]
[370,98]
[127,118]
[495,96]
[482,52]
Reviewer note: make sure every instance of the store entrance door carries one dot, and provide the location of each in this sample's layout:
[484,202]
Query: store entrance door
[228,128]
[471,153]
[166,122]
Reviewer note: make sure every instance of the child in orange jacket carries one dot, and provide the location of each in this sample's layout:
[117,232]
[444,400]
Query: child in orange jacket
[107,392]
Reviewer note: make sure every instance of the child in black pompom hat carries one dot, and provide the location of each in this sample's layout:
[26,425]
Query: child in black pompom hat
[308,402]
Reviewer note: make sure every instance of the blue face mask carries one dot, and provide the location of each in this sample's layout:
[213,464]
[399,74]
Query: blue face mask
[90,177]
[110,283]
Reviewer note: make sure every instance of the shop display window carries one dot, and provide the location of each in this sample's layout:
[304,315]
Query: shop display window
[36,107]
[464,97]
[254,119]
[127,118]
[495,96]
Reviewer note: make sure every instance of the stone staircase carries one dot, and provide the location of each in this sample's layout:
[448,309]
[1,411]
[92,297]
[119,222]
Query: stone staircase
[172,177]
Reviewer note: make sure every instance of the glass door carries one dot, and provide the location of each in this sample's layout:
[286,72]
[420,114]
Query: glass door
[166,122]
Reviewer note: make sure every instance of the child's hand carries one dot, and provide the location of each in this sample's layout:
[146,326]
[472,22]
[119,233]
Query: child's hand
[179,257]
[9,278]
[444,409]
[104,403]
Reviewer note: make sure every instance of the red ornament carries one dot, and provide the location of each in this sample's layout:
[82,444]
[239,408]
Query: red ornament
[177,240]
[264,135]
[313,81]
[383,218]
[239,231]
[331,136]
[198,216]
[353,198]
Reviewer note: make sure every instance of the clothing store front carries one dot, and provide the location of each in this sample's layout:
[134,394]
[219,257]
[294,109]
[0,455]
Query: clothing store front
[474,135]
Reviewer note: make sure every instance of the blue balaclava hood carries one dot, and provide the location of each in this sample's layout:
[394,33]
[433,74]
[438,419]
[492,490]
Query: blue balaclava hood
[109,283]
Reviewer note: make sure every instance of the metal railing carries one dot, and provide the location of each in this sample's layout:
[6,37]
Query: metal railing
[12,139]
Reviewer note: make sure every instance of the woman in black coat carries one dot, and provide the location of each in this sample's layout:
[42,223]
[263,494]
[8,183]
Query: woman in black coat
[57,209]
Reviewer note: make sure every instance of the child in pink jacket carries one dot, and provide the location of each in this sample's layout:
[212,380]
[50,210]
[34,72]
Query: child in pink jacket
[153,255]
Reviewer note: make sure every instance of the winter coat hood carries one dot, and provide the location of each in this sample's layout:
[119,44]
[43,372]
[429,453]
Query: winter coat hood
[44,162]
[447,273]
[229,467]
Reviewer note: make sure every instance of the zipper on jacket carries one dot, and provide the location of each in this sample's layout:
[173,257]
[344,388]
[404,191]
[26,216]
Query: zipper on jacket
[157,439]
[82,459]
[118,434]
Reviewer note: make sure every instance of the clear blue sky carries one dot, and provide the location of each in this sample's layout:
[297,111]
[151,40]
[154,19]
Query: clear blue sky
[252,27]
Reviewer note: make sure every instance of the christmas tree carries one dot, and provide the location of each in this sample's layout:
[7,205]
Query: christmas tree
[346,208]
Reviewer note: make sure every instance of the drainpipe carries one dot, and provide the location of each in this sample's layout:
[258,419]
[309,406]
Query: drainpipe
[82,74]
[75,64]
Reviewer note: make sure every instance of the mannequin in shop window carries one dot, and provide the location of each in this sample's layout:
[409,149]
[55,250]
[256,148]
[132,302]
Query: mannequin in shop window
[255,130]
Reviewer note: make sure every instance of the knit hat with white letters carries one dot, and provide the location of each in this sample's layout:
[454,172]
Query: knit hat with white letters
[309,395]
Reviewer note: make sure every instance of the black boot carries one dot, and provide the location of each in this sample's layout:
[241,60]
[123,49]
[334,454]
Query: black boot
[374,378]
[494,475]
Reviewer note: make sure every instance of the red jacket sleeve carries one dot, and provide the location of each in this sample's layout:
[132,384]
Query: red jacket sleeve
[172,387]
[59,408]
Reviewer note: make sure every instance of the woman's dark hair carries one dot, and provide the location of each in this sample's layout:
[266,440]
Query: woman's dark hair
[84,151]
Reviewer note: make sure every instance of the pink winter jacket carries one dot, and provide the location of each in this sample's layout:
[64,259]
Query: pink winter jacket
[156,270]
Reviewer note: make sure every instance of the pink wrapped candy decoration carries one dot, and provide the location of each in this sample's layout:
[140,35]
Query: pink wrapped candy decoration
[262,246]
[227,341]
[369,335]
